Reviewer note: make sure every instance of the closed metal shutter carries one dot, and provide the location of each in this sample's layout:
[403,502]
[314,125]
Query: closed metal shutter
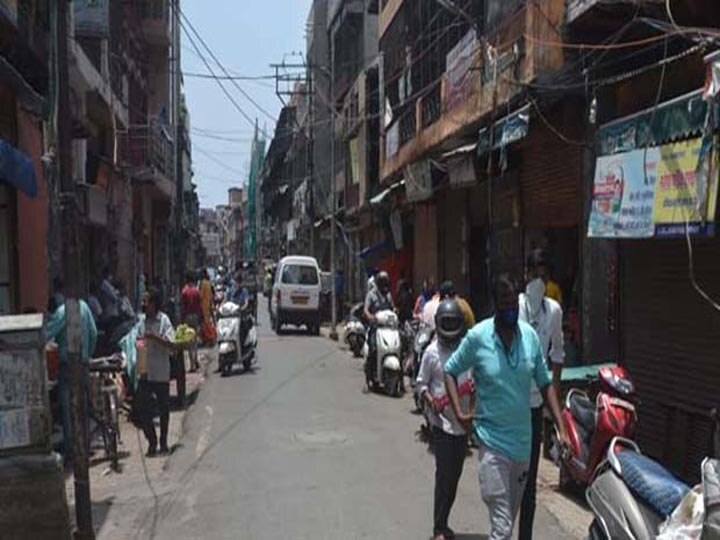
[425,242]
[670,342]
[550,175]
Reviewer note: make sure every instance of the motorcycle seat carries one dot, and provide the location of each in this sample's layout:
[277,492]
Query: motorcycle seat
[651,482]
[583,410]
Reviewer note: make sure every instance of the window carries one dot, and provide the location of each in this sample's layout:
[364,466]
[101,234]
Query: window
[297,274]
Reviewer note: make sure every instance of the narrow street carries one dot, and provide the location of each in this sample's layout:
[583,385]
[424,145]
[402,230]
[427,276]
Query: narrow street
[296,450]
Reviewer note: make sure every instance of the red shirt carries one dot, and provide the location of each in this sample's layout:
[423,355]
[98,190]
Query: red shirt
[190,301]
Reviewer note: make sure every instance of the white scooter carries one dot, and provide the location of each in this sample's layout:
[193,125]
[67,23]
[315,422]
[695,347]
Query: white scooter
[233,322]
[388,344]
[355,331]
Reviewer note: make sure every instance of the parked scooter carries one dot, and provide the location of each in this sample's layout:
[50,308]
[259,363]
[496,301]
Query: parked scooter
[237,337]
[388,345]
[591,426]
[631,495]
[355,331]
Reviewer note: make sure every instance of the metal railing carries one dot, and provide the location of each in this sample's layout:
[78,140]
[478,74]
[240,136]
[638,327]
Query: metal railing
[148,146]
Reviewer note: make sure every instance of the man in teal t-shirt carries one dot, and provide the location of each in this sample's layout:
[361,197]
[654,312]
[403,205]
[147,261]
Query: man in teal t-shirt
[504,355]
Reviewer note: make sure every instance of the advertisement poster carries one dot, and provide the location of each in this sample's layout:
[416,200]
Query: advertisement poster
[680,194]
[624,194]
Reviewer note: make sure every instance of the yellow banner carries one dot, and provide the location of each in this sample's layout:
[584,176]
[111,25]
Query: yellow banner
[676,195]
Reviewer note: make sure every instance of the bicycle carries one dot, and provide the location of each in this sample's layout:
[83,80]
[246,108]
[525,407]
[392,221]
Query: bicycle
[104,404]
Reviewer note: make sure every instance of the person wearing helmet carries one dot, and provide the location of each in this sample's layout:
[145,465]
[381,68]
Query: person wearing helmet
[448,433]
[378,299]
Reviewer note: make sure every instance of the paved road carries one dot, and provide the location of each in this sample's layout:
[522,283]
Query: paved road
[296,450]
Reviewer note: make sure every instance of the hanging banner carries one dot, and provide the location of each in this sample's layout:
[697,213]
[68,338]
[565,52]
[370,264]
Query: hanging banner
[459,74]
[92,18]
[623,195]
[678,199]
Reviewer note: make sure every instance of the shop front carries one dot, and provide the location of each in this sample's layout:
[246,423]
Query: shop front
[655,194]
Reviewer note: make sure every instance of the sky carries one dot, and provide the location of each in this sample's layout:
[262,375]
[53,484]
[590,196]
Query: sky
[246,36]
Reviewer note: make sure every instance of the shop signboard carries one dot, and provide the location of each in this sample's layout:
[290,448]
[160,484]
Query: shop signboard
[92,17]
[623,194]
[657,191]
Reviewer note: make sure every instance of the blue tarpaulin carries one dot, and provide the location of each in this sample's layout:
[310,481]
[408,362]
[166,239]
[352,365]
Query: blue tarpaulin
[17,169]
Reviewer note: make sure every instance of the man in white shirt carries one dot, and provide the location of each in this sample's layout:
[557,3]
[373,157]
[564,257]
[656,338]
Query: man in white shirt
[545,315]
[446,290]
[159,338]
[448,434]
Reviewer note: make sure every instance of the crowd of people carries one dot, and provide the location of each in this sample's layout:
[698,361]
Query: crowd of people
[487,381]
[107,315]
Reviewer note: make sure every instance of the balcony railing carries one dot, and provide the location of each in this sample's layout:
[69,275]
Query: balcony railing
[148,147]
[408,125]
[432,105]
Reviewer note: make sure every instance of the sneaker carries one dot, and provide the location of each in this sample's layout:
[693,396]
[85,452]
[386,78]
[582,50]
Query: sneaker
[152,452]
[164,451]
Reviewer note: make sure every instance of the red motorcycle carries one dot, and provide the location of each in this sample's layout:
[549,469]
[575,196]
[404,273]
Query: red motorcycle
[591,426]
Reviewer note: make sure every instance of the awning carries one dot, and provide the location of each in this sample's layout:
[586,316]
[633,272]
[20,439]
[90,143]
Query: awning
[678,118]
[17,169]
[507,130]
[380,197]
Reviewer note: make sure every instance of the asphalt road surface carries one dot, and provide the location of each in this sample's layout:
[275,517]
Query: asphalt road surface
[296,450]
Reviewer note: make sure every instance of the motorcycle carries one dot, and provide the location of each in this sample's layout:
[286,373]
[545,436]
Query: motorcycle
[237,337]
[592,425]
[388,351]
[355,331]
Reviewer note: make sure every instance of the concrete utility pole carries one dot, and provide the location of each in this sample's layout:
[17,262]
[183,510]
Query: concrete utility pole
[311,156]
[333,195]
[177,151]
[73,271]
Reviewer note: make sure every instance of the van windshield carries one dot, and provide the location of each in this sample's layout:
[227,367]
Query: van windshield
[297,274]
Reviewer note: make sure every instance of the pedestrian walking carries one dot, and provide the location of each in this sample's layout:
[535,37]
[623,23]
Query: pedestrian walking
[191,313]
[545,315]
[56,329]
[449,435]
[206,304]
[155,384]
[505,355]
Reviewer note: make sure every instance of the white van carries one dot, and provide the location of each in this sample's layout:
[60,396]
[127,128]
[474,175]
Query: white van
[296,294]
